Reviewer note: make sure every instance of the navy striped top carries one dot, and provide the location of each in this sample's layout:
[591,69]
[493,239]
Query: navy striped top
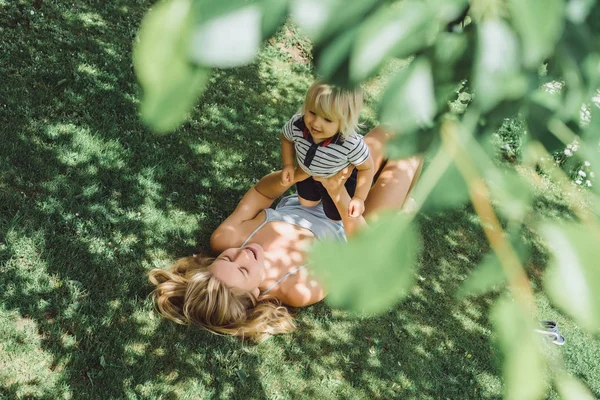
[328,157]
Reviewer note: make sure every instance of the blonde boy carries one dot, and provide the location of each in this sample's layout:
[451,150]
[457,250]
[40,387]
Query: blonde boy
[323,140]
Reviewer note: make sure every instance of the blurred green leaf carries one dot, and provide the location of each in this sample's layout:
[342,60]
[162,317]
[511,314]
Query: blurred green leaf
[403,145]
[227,40]
[591,72]
[591,133]
[391,31]
[573,277]
[522,368]
[575,91]
[206,10]
[451,191]
[342,15]
[577,42]
[497,66]
[537,116]
[591,146]
[448,10]
[374,270]
[539,24]
[449,47]
[313,16]
[571,388]
[578,10]
[484,278]
[448,96]
[273,15]
[511,193]
[409,101]
[489,274]
[331,57]
[171,84]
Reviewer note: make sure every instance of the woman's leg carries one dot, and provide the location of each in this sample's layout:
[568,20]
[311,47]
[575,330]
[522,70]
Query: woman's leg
[395,180]
[376,139]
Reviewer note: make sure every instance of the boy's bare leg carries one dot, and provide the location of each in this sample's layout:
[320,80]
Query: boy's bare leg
[271,187]
[299,176]
[308,203]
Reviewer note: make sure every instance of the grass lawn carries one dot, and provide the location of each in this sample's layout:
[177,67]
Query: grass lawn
[90,200]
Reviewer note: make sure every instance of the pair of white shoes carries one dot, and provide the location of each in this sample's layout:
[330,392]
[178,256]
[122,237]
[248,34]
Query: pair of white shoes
[549,329]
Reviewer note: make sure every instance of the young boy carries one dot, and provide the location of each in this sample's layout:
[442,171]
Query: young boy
[322,140]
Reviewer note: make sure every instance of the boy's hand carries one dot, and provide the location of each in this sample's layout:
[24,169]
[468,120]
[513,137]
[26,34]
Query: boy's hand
[300,174]
[287,175]
[356,208]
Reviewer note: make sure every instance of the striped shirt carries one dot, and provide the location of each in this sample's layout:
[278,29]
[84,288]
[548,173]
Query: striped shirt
[328,157]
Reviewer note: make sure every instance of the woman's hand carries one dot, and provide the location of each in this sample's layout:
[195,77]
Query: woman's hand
[335,183]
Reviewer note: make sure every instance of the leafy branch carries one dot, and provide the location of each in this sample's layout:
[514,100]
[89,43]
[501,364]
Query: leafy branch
[499,54]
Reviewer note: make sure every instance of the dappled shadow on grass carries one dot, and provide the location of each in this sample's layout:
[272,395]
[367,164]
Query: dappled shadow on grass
[429,346]
[91,200]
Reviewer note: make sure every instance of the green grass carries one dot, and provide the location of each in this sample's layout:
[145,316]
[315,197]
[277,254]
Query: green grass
[90,200]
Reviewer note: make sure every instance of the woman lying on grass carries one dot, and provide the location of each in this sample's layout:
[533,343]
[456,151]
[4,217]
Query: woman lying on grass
[261,268]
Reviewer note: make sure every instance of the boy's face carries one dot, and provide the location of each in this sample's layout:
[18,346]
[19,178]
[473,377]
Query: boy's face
[320,127]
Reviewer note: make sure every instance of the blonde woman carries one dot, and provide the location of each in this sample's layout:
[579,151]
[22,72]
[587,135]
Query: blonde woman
[260,267]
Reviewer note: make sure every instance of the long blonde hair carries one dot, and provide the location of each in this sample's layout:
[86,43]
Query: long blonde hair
[188,293]
[336,104]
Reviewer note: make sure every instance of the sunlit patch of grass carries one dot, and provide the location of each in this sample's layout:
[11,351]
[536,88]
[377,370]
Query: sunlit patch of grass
[85,147]
[90,19]
[24,365]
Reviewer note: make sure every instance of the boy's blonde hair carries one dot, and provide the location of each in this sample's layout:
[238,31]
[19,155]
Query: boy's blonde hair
[188,293]
[336,104]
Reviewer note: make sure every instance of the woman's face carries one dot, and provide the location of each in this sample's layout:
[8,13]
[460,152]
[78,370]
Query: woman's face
[241,267]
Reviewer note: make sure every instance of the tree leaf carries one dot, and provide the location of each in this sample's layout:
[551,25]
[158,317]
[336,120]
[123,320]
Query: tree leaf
[228,40]
[313,16]
[591,144]
[450,191]
[537,113]
[578,10]
[539,24]
[409,101]
[404,145]
[331,57]
[571,388]
[512,194]
[449,47]
[489,274]
[485,277]
[374,270]
[497,67]
[391,31]
[171,84]
[448,10]
[273,14]
[573,277]
[522,367]
[341,16]
[591,72]
[207,10]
